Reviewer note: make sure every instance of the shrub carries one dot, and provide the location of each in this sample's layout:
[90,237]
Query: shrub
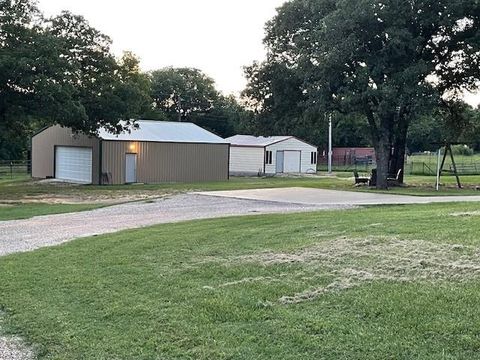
[462,150]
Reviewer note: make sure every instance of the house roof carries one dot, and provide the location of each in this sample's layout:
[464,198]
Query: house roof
[250,140]
[164,131]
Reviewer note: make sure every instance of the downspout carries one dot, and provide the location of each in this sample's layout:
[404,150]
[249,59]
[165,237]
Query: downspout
[100,165]
[264,159]
[228,163]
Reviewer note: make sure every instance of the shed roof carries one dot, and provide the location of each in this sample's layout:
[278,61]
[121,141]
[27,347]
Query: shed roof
[164,131]
[250,140]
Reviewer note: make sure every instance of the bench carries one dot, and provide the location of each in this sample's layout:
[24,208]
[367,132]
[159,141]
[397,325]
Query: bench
[360,179]
[394,181]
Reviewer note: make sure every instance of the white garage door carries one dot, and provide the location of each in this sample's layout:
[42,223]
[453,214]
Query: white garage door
[291,161]
[73,164]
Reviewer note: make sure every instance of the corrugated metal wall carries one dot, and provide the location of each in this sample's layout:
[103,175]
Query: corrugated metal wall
[166,162]
[246,160]
[43,150]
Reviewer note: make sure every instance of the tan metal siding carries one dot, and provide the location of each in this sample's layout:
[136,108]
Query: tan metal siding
[166,162]
[43,150]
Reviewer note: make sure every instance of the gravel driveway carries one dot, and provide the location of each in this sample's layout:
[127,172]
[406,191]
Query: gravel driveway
[30,234]
[40,231]
[12,348]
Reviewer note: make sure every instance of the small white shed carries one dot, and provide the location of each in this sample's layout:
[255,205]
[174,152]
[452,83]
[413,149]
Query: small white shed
[253,155]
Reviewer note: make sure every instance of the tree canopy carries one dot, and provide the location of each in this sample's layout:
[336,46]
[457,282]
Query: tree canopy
[389,62]
[61,71]
[187,94]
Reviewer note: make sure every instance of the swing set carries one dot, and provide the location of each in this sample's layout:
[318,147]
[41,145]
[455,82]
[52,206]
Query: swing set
[453,169]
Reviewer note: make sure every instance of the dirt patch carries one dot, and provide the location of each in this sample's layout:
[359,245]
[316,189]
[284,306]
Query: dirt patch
[107,199]
[353,262]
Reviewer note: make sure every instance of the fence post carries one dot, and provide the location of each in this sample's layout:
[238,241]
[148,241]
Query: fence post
[11,169]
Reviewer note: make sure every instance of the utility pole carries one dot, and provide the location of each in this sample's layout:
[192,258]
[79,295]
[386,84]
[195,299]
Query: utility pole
[179,108]
[330,143]
[437,184]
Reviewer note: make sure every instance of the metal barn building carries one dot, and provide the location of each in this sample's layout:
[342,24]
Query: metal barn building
[251,155]
[155,152]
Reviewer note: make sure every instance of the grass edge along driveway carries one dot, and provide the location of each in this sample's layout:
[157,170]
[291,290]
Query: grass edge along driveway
[17,211]
[379,282]
[15,191]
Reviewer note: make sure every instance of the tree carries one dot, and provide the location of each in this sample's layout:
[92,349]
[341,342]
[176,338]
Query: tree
[274,93]
[185,94]
[60,71]
[453,121]
[387,61]
[181,92]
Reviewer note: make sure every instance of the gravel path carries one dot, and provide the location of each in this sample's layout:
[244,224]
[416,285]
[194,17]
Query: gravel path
[40,231]
[12,348]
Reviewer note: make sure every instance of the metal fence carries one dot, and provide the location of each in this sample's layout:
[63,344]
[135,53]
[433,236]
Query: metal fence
[344,163]
[13,168]
[412,167]
[426,168]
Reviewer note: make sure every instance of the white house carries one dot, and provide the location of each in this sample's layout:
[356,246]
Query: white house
[252,155]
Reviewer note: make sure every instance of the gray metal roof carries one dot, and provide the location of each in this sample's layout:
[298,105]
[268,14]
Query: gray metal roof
[250,140]
[164,131]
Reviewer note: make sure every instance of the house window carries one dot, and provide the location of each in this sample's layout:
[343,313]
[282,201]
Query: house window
[268,157]
[313,158]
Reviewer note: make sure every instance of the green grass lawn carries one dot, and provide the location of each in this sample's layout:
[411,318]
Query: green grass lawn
[392,282]
[24,211]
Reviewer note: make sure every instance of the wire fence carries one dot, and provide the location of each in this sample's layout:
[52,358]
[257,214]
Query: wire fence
[414,165]
[343,163]
[14,168]
[423,166]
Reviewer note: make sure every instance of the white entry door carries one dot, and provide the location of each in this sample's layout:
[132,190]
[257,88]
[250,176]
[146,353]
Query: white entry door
[279,162]
[73,164]
[131,168]
[291,161]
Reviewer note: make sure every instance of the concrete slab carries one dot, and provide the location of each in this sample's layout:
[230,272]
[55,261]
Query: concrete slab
[310,196]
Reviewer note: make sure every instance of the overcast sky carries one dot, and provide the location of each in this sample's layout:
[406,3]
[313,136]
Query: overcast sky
[218,37]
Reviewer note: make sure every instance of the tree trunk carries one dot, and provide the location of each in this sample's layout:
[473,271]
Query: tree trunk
[382,154]
[397,161]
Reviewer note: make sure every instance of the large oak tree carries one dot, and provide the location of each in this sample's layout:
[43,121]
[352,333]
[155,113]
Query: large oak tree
[388,61]
[61,71]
